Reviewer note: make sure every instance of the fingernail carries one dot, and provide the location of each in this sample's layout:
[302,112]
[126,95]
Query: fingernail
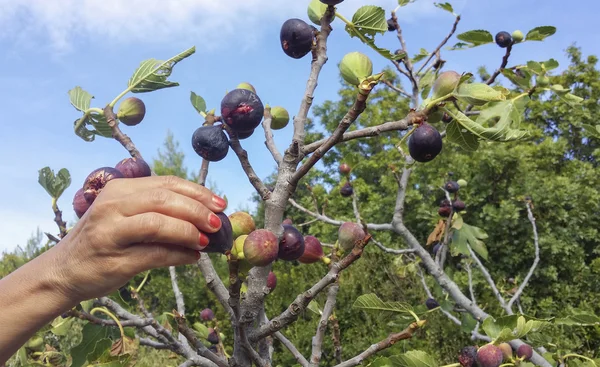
[214,221]
[203,241]
[219,201]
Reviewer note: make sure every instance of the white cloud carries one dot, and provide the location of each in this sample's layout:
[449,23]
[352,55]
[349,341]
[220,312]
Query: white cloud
[206,23]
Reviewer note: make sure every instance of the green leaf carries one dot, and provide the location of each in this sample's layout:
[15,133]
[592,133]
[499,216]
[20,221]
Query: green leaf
[314,307]
[316,10]
[91,335]
[503,131]
[473,38]
[100,125]
[366,23]
[423,53]
[579,319]
[540,33]
[466,236]
[405,2]
[571,99]
[83,132]
[467,323]
[372,302]
[201,329]
[426,82]
[54,185]
[477,94]
[535,67]
[593,130]
[198,102]
[456,134]
[80,99]
[550,64]
[507,328]
[101,347]
[62,326]
[381,362]
[414,358]
[153,74]
[445,6]
[523,81]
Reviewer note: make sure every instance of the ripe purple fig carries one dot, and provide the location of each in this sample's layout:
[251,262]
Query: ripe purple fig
[210,143]
[296,38]
[287,221]
[489,356]
[436,248]
[207,314]
[458,205]
[431,304]
[271,281]
[131,111]
[241,135]
[445,211]
[222,240]
[503,39]
[331,2]
[241,223]
[242,110]
[446,118]
[425,143]
[451,186]
[280,118]
[134,168]
[95,182]
[80,205]
[313,251]
[391,25]
[525,351]
[349,234]
[261,247]
[213,337]
[291,245]
[445,84]
[346,190]
[345,169]
[468,356]
[506,351]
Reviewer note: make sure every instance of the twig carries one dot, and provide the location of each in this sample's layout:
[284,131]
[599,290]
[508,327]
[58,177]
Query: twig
[269,141]
[125,141]
[62,226]
[320,335]
[470,275]
[188,334]
[502,66]
[490,280]
[337,340]
[355,207]
[302,300]
[384,344]
[396,89]
[260,187]
[214,283]
[535,261]
[154,344]
[178,297]
[403,124]
[406,61]
[391,250]
[292,348]
[203,172]
[454,26]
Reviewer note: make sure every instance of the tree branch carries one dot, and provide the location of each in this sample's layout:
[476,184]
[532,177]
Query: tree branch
[470,275]
[490,281]
[154,344]
[292,348]
[391,250]
[260,187]
[203,172]
[111,119]
[396,89]
[454,26]
[62,226]
[406,61]
[214,283]
[320,335]
[269,141]
[178,297]
[535,261]
[502,66]
[189,335]
[335,336]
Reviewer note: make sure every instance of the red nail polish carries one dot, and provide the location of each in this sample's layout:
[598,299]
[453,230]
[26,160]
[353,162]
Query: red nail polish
[203,241]
[220,202]
[214,221]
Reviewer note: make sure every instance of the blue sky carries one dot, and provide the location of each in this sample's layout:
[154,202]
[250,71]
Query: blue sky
[51,46]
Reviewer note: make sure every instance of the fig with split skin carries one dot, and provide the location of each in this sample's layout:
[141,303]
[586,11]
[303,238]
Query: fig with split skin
[313,251]
[95,182]
[489,356]
[222,240]
[291,244]
[241,223]
[349,234]
[131,111]
[296,37]
[210,143]
[80,205]
[261,247]
[242,110]
[425,143]
[134,168]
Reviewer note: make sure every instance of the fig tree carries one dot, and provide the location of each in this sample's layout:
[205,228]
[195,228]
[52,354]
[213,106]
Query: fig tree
[241,223]
[131,111]
[242,110]
[507,351]
[525,352]
[313,251]
[468,356]
[517,36]
[346,190]
[345,169]
[503,39]
[210,143]
[291,244]
[207,314]
[349,234]
[271,281]
[281,118]
[246,86]
[296,38]
[425,143]
[489,356]
[134,168]
[80,205]
[451,186]
[222,240]
[261,247]
[431,303]
[95,182]
[445,84]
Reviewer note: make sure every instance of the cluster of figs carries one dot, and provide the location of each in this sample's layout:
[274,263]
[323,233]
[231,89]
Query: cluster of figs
[491,355]
[446,207]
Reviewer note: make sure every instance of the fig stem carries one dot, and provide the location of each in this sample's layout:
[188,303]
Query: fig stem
[109,314]
[95,109]
[139,288]
[123,93]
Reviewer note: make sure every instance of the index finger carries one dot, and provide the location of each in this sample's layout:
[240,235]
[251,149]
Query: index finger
[173,183]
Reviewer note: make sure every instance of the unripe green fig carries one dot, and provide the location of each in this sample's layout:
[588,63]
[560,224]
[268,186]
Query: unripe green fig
[517,36]
[131,111]
[506,351]
[246,86]
[238,247]
[281,118]
[355,67]
[36,344]
[445,84]
[241,223]
[462,183]
[542,81]
[316,10]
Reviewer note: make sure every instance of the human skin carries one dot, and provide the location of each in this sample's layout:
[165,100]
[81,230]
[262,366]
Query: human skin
[134,225]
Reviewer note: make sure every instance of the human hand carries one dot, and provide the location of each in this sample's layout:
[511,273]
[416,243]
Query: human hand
[135,225]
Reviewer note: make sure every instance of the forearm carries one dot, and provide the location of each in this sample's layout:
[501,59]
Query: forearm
[30,298]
